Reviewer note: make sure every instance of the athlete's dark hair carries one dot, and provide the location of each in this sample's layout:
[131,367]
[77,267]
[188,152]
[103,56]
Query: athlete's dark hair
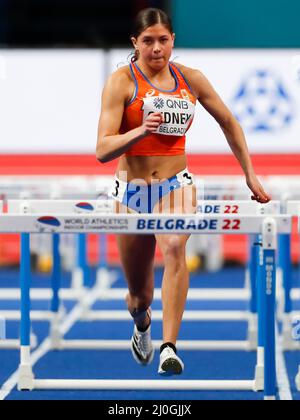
[147,18]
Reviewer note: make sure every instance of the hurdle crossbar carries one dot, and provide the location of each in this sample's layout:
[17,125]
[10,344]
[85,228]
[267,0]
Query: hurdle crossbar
[100,206]
[143,225]
[220,316]
[199,345]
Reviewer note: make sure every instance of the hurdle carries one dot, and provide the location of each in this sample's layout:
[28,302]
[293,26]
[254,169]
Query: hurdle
[55,187]
[291,207]
[214,191]
[35,187]
[294,208]
[92,187]
[289,342]
[86,187]
[14,344]
[150,224]
[204,207]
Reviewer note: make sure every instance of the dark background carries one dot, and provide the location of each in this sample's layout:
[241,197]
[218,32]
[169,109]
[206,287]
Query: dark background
[108,23]
[69,23]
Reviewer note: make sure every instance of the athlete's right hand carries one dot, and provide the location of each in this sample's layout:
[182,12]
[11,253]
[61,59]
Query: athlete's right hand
[152,122]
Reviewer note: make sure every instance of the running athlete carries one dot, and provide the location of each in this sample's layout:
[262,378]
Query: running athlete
[147,108]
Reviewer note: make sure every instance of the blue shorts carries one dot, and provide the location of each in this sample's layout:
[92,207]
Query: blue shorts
[142,198]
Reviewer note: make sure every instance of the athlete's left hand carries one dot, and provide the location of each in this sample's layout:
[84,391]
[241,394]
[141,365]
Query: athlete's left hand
[259,193]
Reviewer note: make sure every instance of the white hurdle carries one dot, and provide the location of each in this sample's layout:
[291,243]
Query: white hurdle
[12,344]
[293,208]
[204,207]
[288,342]
[150,224]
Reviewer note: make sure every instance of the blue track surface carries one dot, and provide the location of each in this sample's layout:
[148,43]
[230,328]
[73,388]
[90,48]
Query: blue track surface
[119,364]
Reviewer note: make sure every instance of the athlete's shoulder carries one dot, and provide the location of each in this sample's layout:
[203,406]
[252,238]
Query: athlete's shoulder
[194,77]
[120,76]
[120,83]
[188,72]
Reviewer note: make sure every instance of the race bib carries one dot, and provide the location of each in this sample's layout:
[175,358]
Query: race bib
[178,114]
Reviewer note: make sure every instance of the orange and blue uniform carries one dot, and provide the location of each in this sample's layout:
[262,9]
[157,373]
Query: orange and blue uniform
[178,109]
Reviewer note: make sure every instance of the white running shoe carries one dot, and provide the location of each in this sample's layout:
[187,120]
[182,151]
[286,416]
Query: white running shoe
[141,346]
[170,364]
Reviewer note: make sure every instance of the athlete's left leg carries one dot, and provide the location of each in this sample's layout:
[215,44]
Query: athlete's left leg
[176,276]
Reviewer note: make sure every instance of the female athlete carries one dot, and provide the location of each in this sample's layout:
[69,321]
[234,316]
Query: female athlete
[147,108]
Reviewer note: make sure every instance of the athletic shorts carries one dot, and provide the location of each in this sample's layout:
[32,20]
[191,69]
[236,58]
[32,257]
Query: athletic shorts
[144,198]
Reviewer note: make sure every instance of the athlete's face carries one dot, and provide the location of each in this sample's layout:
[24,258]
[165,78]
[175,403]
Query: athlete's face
[155,46]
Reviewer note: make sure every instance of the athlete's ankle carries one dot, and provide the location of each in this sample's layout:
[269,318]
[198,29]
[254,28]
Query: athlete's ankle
[171,345]
[144,328]
[141,319]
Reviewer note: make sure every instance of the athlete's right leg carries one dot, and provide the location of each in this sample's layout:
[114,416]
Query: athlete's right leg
[137,257]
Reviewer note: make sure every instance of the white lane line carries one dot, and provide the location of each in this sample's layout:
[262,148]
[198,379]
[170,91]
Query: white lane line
[284,387]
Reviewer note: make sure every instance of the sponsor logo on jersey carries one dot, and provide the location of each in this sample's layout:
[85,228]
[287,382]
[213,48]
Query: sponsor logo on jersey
[184,94]
[150,93]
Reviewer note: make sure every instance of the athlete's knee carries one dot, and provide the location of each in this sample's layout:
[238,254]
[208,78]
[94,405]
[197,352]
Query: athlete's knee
[140,301]
[173,248]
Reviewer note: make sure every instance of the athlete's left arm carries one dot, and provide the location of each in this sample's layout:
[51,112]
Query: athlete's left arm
[234,134]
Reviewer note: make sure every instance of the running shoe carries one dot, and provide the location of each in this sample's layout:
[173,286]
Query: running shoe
[141,346]
[170,364]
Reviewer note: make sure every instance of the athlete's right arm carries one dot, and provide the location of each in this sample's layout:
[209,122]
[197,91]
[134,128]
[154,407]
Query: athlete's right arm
[110,144]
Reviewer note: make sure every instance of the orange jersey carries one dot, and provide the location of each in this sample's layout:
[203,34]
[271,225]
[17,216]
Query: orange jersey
[177,107]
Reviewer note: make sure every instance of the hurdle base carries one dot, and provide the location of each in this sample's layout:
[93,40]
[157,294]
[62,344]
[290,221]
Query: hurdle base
[26,378]
[33,340]
[288,344]
[159,385]
[77,279]
[105,278]
[259,378]
[252,332]
[55,334]
[56,339]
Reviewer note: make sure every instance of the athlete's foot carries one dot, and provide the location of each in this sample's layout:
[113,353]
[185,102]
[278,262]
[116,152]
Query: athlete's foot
[170,364]
[141,346]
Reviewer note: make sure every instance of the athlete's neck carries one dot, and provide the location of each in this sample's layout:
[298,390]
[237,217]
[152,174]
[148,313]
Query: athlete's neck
[154,74]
